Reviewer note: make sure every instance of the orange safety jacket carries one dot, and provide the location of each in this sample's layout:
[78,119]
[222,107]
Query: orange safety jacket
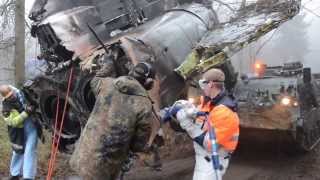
[223,118]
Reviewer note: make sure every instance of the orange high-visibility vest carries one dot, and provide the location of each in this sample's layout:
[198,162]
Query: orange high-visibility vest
[225,123]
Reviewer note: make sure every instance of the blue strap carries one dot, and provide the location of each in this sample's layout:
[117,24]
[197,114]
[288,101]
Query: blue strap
[213,141]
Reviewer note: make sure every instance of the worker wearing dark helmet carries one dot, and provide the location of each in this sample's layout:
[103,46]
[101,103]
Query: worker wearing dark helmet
[120,122]
[22,133]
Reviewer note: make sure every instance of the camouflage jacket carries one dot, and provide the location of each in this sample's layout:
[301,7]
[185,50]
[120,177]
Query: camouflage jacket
[119,122]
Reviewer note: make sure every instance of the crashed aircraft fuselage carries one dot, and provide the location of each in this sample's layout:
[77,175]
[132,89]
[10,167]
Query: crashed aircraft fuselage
[175,36]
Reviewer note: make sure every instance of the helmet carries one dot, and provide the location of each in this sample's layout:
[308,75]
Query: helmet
[144,73]
[5,91]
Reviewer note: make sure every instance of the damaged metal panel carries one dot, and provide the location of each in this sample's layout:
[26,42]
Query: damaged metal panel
[44,8]
[249,25]
[187,38]
[147,43]
[71,29]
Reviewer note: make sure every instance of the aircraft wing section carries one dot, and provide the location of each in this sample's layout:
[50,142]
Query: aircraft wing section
[247,25]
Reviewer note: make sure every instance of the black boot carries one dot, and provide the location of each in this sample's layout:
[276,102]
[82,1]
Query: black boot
[14,178]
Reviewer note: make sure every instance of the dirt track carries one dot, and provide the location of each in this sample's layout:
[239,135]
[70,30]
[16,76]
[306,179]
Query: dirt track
[264,162]
[269,164]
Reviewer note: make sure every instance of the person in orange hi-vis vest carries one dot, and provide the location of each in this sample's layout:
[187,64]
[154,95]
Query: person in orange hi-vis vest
[221,110]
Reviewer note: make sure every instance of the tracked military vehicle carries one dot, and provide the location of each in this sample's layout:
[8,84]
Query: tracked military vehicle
[281,104]
[81,39]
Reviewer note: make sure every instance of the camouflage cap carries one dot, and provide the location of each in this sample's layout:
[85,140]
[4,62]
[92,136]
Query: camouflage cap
[214,75]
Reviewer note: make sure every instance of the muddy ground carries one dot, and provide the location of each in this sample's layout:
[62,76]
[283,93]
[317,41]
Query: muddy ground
[269,162]
[252,161]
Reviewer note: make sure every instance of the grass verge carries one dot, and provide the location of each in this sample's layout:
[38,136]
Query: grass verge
[62,165]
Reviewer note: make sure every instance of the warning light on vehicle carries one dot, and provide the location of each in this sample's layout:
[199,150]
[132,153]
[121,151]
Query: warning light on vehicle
[258,66]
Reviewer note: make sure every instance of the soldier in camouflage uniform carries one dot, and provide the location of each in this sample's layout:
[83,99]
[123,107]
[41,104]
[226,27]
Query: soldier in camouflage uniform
[120,122]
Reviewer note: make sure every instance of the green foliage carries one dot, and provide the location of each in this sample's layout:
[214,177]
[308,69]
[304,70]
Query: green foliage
[62,165]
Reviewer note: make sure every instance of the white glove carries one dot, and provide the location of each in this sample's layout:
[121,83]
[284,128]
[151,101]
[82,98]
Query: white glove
[186,118]
[189,109]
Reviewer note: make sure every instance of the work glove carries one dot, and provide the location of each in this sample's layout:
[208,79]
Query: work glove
[187,119]
[167,113]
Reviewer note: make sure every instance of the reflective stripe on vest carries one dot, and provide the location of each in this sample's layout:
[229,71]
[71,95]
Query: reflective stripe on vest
[234,138]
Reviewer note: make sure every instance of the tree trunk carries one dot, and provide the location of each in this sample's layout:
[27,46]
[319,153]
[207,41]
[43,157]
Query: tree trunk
[243,4]
[19,42]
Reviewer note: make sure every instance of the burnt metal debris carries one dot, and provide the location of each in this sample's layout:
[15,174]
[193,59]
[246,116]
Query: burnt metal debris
[181,38]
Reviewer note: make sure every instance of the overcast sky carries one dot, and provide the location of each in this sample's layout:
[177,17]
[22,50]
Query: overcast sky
[29,4]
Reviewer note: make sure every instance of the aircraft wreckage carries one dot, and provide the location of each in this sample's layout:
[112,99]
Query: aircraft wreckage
[181,38]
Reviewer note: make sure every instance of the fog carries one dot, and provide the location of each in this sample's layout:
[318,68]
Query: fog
[296,40]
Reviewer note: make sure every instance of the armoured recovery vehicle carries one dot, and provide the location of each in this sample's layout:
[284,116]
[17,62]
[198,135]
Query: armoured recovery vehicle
[81,39]
[281,103]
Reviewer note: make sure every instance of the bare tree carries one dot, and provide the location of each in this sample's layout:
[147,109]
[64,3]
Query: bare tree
[243,4]
[7,41]
[12,15]
[19,41]
[7,9]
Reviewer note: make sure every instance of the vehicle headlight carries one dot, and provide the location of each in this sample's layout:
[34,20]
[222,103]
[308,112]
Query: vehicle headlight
[286,101]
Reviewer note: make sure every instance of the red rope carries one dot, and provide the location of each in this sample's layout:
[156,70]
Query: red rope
[54,136]
[55,147]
